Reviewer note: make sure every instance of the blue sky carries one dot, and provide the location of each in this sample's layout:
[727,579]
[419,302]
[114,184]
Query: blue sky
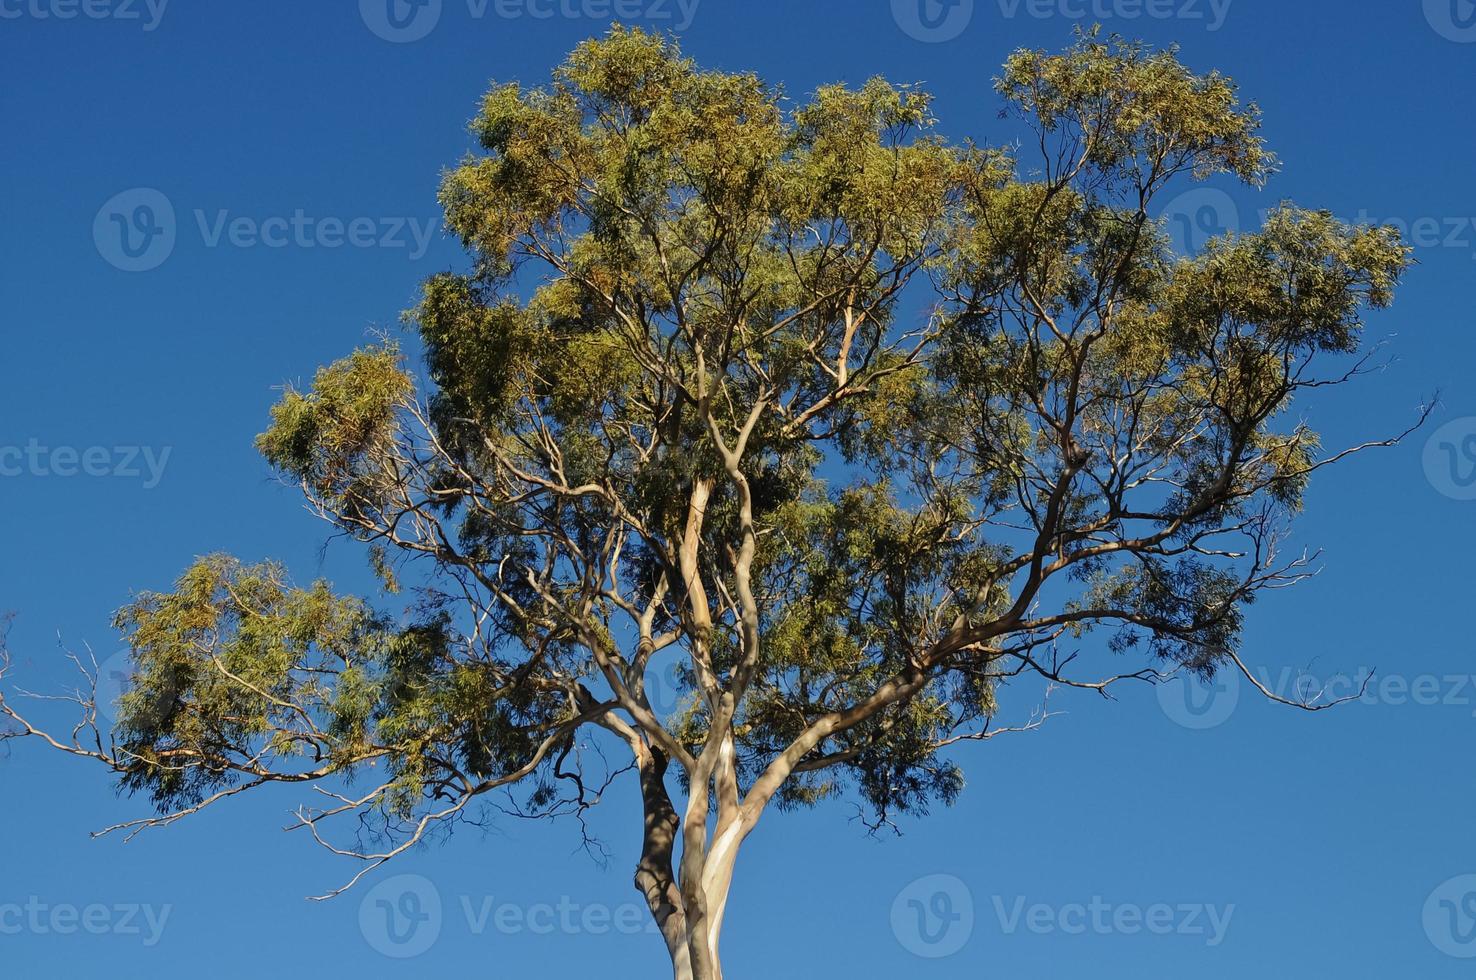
[297,148]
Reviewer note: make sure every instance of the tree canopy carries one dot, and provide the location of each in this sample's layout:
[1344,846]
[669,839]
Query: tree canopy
[856,421]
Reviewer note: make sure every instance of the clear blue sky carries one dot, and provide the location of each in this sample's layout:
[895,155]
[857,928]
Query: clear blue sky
[1328,834]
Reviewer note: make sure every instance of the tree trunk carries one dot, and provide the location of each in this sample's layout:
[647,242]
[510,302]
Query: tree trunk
[717,880]
[687,909]
[705,901]
[654,877]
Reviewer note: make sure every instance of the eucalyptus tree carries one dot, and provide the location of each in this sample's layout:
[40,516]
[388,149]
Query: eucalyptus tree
[854,423]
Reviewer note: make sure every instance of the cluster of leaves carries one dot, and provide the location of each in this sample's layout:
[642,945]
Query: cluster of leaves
[240,677]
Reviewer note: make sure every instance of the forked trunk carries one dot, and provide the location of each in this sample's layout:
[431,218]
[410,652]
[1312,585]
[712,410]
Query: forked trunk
[688,911]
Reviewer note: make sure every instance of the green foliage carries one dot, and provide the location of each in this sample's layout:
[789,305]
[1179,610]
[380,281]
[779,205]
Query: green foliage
[331,438]
[1138,110]
[862,422]
[223,665]
[239,676]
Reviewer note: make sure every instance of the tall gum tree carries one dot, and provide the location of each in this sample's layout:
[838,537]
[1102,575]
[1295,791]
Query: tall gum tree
[853,423]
